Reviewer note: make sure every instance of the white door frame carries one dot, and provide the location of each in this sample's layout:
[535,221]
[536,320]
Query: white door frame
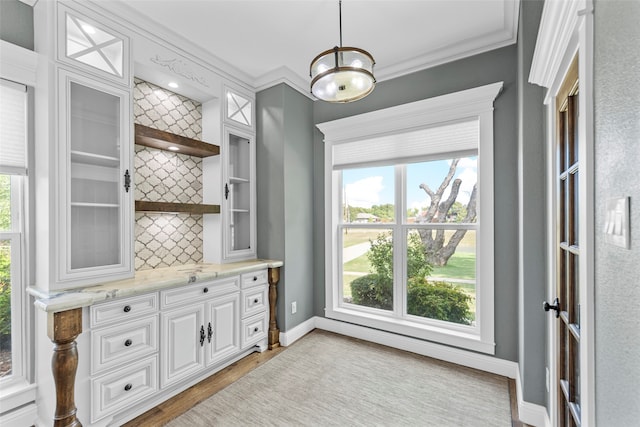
[566,29]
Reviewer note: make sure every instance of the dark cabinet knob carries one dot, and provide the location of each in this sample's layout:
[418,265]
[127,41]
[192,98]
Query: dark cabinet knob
[255,278]
[255,329]
[128,387]
[127,343]
[127,308]
[255,301]
[205,290]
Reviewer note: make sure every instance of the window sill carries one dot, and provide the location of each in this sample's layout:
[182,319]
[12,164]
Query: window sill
[16,392]
[456,336]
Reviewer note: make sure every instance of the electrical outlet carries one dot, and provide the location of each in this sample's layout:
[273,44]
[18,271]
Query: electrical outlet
[294,307]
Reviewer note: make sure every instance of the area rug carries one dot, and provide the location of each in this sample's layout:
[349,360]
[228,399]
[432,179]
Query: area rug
[325,379]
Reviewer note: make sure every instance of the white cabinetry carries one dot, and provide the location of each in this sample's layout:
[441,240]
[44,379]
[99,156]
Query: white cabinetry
[124,353]
[83,148]
[200,327]
[95,196]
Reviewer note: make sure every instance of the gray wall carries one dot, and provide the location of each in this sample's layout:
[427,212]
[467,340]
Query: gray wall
[617,160]
[284,187]
[532,203]
[490,67]
[16,23]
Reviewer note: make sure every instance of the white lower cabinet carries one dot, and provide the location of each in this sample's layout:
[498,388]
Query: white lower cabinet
[154,344]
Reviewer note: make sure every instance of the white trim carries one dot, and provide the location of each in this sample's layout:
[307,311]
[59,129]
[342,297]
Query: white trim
[530,413]
[567,29]
[25,416]
[294,334]
[18,64]
[29,2]
[557,26]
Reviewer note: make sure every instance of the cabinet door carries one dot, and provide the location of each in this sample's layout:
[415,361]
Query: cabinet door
[183,339]
[223,331]
[95,200]
[239,194]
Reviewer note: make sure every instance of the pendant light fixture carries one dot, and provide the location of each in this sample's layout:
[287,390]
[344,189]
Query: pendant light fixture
[342,74]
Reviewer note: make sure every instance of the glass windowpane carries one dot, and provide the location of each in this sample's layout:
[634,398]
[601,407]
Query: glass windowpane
[6,359]
[367,267]
[441,274]
[368,195]
[442,191]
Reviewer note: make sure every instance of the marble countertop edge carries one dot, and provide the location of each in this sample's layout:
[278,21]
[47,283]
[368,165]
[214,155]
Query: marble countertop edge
[143,282]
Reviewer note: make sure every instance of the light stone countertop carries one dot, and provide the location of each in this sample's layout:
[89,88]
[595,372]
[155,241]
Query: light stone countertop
[143,282]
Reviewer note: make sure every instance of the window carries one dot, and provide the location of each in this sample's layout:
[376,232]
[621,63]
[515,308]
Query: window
[13,318]
[409,219]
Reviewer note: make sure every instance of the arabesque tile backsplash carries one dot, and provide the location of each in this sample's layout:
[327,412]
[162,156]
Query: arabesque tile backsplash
[163,240]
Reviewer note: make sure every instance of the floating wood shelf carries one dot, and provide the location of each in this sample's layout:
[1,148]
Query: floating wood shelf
[162,140]
[144,206]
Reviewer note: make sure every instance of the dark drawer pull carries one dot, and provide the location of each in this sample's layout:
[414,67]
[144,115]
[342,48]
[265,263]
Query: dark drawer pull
[255,301]
[255,329]
[127,308]
[127,343]
[205,290]
[255,278]
[128,387]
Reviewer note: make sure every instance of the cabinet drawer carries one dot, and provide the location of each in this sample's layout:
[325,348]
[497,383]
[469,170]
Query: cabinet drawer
[253,330]
[123,343]
[253,279]
[198,292]
[123,388]
[254,300]
[123,309]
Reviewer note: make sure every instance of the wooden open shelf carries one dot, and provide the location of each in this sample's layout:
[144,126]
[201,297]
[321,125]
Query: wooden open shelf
[144,206]
[162,140]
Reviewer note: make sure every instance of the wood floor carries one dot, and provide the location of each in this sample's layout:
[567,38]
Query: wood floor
[189,398]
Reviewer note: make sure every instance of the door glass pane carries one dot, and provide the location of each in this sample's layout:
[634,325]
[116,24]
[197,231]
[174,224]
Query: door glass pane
[442,191]
[575,206]
[238,192]
[368,195]
[441,274]
[367,267]
[575,146]
[93,46]
[94,133]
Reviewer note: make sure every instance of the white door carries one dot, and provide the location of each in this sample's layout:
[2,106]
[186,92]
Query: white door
[183,338]
[223,333]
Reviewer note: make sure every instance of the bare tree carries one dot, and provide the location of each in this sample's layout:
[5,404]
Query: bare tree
[436,252]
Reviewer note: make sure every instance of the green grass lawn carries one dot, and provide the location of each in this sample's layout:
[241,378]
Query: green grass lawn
[461,265]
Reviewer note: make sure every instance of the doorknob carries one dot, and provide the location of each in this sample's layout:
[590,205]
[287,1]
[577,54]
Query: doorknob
[556,306]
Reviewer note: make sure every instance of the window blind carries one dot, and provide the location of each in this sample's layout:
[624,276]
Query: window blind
[416,145]
[13,128]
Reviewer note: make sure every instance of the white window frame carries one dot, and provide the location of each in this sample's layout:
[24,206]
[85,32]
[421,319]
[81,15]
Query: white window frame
[476,103]
[19,391]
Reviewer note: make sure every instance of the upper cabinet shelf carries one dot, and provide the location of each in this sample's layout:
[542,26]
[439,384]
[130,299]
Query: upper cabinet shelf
[162,140]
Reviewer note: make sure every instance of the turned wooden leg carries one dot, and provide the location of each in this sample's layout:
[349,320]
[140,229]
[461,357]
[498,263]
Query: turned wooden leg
[63,328]
[274,332]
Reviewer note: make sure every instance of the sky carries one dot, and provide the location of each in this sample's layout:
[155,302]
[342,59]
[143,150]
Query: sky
[366,187]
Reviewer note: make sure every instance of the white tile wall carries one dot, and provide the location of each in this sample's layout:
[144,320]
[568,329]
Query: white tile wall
[163,240]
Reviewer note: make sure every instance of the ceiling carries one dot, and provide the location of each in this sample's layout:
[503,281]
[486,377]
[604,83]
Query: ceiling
[269,41]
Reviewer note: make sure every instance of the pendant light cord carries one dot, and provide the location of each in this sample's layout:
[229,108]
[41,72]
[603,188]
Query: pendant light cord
[340,20]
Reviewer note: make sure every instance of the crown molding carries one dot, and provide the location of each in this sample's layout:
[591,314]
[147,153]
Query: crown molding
[283,75]
[558,30]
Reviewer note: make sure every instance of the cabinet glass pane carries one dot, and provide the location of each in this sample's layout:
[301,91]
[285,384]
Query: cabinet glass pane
[238,108]
[240,230]
[93,46]
[94,192]
[95,240]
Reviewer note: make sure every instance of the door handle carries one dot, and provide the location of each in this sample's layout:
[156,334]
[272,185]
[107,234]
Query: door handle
[209,332]
[202,335]
[226,191]
[556,306]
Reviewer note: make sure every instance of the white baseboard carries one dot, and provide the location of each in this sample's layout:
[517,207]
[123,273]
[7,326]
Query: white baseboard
[529,413]
[294,334]
[24,416]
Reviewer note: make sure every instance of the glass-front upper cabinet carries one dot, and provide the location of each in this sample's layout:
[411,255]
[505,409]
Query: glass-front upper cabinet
[94,184]
[238,108]
[239,194]
[91,45]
